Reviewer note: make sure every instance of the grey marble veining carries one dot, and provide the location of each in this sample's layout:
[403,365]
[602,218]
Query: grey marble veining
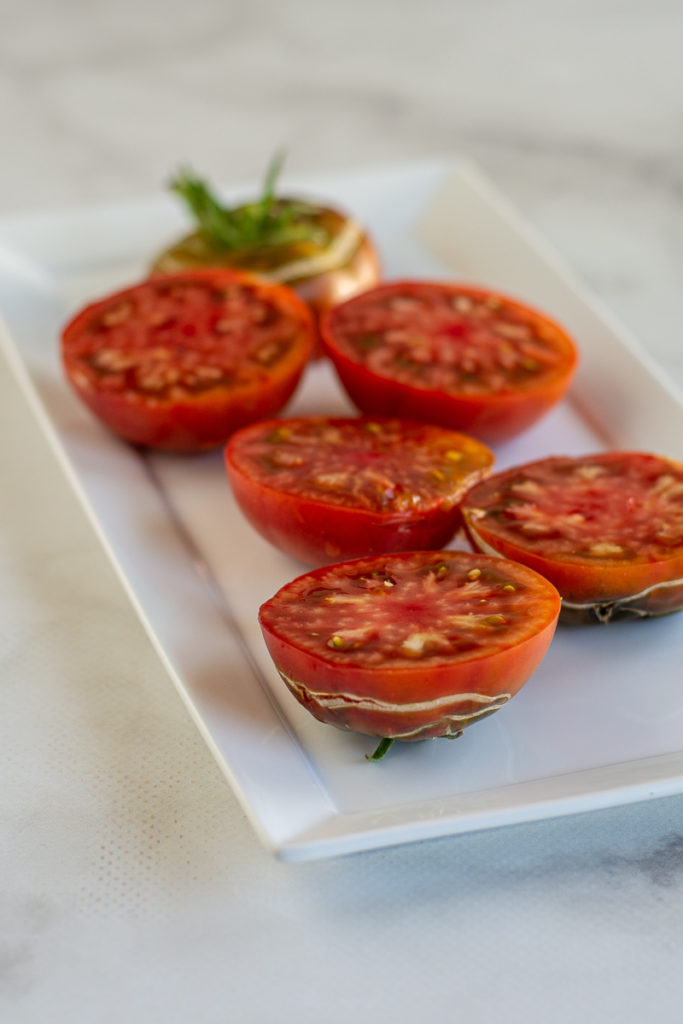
[132,886]
[116,99]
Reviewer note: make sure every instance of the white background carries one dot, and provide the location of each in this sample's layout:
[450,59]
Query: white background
[131,886]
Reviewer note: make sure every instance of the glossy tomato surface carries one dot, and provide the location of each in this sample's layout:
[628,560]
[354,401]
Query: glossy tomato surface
[606,529]
[180,361]
[337,261]
[413,645]
[327,489]
[459,356]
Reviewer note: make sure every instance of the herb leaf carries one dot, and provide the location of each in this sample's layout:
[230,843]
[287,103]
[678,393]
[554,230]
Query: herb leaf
[272,174]
[213,220]
[267,221]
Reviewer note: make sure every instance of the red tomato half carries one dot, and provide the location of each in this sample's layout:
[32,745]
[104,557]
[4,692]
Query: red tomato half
[459,356]
[180,361]
[329,489]
[410,646]
[606,529]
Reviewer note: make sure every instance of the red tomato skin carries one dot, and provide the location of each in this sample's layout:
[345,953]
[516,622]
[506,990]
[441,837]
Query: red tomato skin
[395,703]
[492,418]
[202,421]
[317,532]
[502,674]
[197,425]
[600,585]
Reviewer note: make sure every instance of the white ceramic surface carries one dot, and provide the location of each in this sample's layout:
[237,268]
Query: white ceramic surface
[197,572]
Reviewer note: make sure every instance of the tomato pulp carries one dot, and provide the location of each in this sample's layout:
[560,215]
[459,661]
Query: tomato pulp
[327,489]
[606,529]
[413,645]
[180,361]
[460,356]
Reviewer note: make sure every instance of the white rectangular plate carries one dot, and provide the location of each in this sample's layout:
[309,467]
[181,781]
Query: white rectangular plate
[601,722]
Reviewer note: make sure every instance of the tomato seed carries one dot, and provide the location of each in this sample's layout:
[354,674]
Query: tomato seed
[517,332]
[604,549]
[118,314]
[589,472]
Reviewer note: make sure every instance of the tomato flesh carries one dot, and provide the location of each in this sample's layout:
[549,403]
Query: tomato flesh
[324,489]
[410,645]
[462,357]
[181,361]
[606,529]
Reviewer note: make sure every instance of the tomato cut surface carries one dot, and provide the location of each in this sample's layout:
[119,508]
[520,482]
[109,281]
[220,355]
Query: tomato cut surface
[180,361]
[410,645]
[326,489]
[606,529]
[455,355]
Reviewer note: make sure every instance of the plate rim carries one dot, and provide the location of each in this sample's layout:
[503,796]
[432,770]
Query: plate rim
[329,832]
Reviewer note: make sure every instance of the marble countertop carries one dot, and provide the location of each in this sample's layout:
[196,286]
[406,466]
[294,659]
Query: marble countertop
[133,886]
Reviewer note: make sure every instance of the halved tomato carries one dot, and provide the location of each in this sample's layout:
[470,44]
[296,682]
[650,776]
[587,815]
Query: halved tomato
[605,529]
[410,646]
[180,361]
[456,355]
[326,489]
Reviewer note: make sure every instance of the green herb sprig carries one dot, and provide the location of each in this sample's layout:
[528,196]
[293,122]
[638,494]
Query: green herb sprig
[380,749]
[268,221]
